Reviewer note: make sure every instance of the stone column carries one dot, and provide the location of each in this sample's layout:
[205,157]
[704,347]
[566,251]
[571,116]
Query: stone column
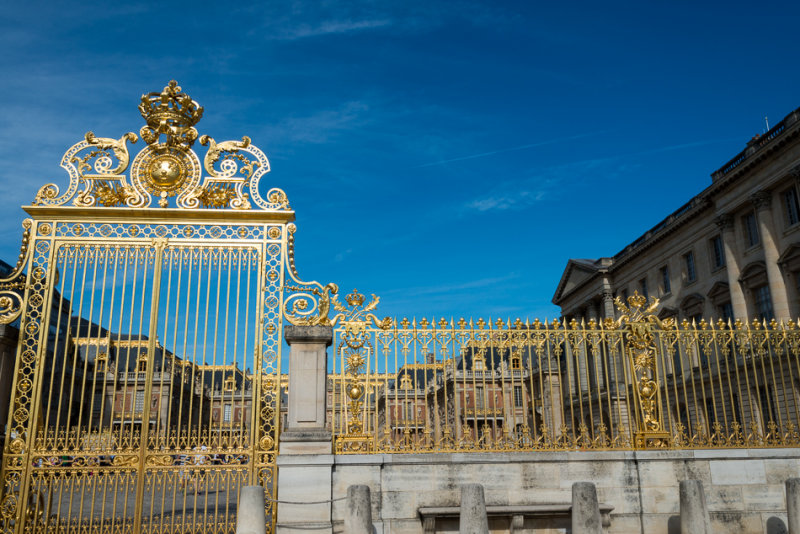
[305,462]
[472,517]
[585,509]
[250,516]
[358,516]
[738,302]
[777,287]
[793,505]
[694,513]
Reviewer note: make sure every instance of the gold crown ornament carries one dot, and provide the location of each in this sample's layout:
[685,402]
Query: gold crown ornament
[171,113]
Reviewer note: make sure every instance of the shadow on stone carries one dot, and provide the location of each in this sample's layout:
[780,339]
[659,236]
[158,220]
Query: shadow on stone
[775,525]
[674,524]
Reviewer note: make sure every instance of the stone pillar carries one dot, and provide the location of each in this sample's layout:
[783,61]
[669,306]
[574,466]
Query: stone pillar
[694,513]
[358,516]
[777,287]
[738,302]
[251,516]
[308,364]
[305,462]
[472,517]
[608,304]
[552,403]
[585,509]
[793,505]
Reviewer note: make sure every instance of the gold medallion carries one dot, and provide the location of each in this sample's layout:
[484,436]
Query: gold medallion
[165,173]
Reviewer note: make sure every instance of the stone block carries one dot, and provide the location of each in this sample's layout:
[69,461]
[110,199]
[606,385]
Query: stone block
[650,523]
[763,497]
[660,500]
[740,522]
[298,483]
[779,470]
[728,472]
[540,475]
[724,498]
[399,505]
[625,524]
[659,473]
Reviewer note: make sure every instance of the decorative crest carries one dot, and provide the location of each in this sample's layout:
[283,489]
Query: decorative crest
[171,113]
[356,312]
[168,169]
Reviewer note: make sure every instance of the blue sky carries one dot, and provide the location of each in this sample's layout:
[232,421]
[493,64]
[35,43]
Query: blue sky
[447,156]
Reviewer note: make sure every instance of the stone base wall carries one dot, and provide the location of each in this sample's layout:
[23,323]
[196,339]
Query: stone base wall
[744,488]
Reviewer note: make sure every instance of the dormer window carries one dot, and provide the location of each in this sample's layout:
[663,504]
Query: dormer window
[141,364]
[100,363]
[230,384]
[405,383]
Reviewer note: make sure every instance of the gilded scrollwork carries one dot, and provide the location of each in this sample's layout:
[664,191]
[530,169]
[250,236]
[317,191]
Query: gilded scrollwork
[167,167]
[355,317]
[12,287]
[639,318]
[309,306]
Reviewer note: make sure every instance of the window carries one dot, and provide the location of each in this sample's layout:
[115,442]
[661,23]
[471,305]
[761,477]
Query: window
[750,229]
[718,252]
[516,362]
[767,405]
[643,288]
[665,285]
[518,396]
[725,311]
[226,413]
[791,207]
[408,411]
[763,303]
[479,397]
[691,273]
[138,406]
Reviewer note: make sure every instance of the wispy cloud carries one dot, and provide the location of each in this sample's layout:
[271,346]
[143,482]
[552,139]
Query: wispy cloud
[449,289]
[511,149]
[321,125]
[520,194]
[328,27]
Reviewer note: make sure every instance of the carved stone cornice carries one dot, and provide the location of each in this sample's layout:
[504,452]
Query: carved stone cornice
[724,222]
[762,200]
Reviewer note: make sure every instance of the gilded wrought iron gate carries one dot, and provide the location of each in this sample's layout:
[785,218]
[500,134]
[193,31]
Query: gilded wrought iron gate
[147,387]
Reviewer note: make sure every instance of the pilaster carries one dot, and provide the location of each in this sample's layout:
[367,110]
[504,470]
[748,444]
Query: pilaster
[777,287]
[738,302]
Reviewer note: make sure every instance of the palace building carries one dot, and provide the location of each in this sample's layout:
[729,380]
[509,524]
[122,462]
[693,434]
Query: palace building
[731,252]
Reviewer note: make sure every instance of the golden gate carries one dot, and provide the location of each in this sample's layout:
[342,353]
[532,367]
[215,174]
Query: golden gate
[150,300]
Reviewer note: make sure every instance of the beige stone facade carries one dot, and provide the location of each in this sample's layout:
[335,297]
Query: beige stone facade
[731,252]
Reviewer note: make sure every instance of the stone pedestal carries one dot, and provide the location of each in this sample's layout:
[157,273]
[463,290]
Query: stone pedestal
[305,462]
[304,493]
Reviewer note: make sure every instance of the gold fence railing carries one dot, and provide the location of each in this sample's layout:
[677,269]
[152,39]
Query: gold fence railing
[630,383]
